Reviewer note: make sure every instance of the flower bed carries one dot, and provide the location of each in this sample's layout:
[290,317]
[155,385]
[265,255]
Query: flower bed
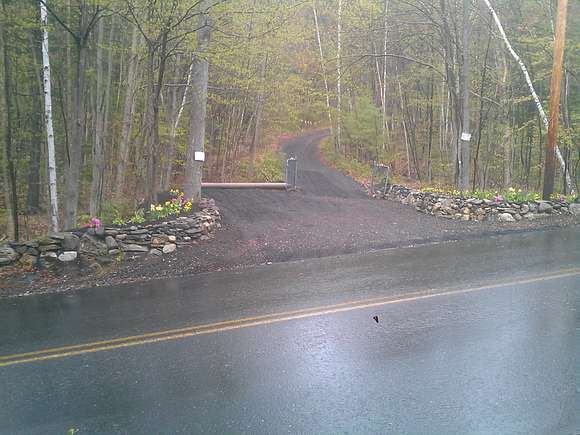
[107,243]
[509,206]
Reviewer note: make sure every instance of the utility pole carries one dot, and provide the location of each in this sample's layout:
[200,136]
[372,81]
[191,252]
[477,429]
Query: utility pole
[559,42]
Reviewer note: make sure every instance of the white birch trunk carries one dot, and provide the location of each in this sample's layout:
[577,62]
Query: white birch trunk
[48,120]
[166,178]
[543,116]
[322,66]
[384,88]
[404,126]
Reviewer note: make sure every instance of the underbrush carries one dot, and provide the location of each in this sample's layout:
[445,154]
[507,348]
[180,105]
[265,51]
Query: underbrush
[360,171]
[269,166]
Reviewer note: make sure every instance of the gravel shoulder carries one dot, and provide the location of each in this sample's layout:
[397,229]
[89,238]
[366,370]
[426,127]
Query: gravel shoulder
[330,214]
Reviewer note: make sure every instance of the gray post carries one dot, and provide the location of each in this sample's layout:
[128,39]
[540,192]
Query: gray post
[291,173]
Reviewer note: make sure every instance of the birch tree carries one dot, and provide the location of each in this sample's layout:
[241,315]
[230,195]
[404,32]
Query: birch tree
[545,121]
[385,125]
[176,114]
[88,18]
[322,65]
[47,86]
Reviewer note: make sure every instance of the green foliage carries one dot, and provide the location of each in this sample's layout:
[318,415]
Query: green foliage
[138,217]
[511,194]
[83,218]
[362,127]
[119,221]
[269,166]
[360,171]
[111,212]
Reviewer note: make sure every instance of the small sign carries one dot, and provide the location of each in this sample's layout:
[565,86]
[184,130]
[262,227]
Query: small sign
[466,137]
[199,156]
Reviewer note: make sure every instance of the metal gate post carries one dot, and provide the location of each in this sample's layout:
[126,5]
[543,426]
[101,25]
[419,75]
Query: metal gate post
[291,173]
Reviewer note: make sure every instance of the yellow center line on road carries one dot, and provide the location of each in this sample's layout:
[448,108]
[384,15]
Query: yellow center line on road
[247,322]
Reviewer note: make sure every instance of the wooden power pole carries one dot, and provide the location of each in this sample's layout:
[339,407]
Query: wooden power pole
[559,42]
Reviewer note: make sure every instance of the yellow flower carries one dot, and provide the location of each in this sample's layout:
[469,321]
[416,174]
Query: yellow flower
[159,208]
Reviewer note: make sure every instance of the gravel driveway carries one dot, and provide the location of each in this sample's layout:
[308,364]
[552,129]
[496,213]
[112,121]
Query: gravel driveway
[330,214]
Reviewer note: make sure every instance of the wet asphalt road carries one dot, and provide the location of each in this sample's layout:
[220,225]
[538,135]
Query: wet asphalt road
[502,358]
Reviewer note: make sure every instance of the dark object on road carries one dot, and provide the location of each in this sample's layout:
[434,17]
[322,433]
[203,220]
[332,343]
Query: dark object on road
[376,319]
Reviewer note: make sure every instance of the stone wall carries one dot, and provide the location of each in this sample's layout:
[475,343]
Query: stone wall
[473,209]
[105,244]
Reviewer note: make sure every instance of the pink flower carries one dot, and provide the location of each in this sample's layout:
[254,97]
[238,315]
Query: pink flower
[93,223]
[498,198]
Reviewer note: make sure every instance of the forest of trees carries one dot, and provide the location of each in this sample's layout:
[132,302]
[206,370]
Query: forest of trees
[106,102]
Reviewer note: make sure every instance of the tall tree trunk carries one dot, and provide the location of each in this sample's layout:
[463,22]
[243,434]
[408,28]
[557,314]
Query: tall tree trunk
[385,126]
[481,105]
[195,149]
[323,66]
[11,198]
[52,187]
[108,85]
[166,179]
[151,138]
[403,121]
[102,114]
[464,159]
[339,79]
[128,107]
[36,142]
[430,133]
[98,141]
[74,158]
[453,114]
[259,108]
[507,139]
